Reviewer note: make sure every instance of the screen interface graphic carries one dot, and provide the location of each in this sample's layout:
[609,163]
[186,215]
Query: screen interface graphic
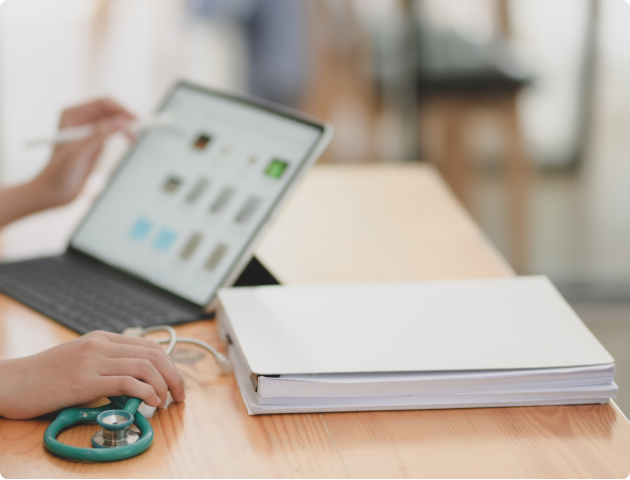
[185,204]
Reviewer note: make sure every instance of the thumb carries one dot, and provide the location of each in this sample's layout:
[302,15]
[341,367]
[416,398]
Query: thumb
[88,151]
[108,126]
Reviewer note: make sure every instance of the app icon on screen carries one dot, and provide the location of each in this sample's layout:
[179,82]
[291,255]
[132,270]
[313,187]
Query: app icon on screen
[202,141]
[191,246]
[172,184]
[197,190]
[164,240]
[276,168]
[216,256]
[248,210]
[140,229]
[222,200]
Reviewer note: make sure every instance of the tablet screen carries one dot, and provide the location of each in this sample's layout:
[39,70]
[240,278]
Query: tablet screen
[191,196]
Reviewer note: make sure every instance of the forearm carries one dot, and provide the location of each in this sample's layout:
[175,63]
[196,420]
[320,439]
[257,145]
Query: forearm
[25,388]
[20,201]
[7,388]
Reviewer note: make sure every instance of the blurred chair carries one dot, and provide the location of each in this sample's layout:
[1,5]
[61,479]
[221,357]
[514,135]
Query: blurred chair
[457,83]
[341,88]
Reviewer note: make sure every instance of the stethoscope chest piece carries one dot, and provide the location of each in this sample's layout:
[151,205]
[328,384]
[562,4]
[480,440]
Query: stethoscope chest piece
[116,441]
[116,430]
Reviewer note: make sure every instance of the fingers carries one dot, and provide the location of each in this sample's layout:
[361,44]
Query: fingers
[108,126]
[130,387]
[103,129]
[140,359]
[128,340]
[160,361]
[91,146]
[142,370]
[94,111]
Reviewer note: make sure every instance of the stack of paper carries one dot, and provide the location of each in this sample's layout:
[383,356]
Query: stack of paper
[448,344]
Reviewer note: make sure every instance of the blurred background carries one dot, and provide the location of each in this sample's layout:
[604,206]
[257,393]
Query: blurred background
[523,105]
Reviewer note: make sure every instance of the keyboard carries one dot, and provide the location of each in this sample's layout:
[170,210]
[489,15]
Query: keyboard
[85,298]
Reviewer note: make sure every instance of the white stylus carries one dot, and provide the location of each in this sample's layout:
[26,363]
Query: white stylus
[73,134]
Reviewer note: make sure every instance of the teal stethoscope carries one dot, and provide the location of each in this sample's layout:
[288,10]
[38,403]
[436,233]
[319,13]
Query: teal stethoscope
[117,440]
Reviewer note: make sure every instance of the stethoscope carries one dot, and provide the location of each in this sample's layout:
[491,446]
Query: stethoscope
[118,439]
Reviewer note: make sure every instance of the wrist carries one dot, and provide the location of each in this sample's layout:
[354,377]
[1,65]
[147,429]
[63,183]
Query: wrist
[22,200]
[43,193]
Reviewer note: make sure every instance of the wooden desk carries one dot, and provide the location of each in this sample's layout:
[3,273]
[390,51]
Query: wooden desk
[345,224]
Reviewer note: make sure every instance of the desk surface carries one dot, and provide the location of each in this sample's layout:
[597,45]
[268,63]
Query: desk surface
[343,225]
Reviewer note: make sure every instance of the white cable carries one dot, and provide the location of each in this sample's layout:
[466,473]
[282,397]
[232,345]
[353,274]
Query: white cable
[164,328]
[222,360]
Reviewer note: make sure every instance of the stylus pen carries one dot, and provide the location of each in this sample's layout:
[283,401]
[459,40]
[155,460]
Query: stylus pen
[73,134]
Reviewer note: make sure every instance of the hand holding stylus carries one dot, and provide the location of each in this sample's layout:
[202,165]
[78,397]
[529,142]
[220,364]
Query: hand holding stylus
[81,132]
[71,163]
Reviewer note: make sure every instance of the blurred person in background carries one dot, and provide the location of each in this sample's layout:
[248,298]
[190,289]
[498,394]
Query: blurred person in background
[277,43]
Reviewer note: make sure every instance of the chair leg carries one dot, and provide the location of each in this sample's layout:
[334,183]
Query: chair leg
[451,149]
[432,132]
[446,120]
[518,179]
[460,153]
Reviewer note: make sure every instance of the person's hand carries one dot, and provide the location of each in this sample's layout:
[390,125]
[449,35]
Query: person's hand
[71,163]
[61,181]
[97,365]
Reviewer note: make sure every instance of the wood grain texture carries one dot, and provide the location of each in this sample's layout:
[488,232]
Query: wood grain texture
[376,224]
[388,223]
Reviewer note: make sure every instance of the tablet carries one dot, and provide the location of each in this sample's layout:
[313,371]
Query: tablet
[188,202]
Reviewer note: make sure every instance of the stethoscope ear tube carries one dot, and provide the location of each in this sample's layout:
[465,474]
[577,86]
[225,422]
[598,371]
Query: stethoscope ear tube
[74,416]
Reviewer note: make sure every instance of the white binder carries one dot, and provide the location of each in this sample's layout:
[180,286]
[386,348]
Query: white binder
[512,341]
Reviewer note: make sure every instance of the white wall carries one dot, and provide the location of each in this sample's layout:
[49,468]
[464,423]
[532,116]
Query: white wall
[550,36]
[44,47]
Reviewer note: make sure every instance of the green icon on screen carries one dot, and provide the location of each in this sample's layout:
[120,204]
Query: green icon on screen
[276,168]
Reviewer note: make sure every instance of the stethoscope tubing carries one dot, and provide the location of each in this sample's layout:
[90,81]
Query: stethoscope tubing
[74,416]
